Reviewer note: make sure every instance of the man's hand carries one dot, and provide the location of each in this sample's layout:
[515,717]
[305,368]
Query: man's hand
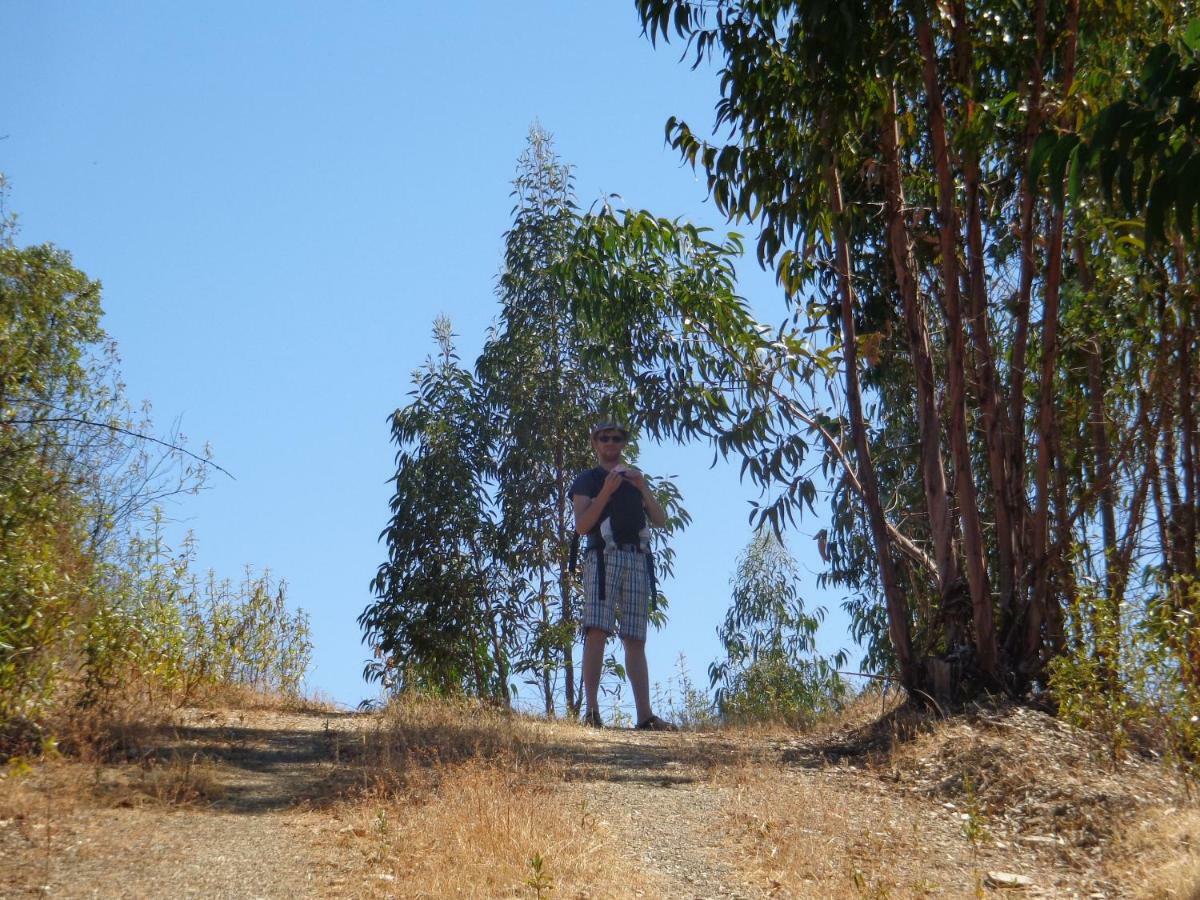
[612,481]
[634,477]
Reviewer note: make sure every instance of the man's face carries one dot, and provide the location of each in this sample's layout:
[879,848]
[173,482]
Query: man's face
[608,444]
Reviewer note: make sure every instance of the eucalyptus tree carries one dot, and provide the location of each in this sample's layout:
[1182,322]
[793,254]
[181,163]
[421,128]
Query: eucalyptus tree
[540,397]
[437,622]
[1133,171]
[771,669]
[883,151]
[544,382]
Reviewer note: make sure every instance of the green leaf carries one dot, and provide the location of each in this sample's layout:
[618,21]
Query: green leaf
[1157,208]
[1188,198]
[1045,143]
[1191,36]
[1064,150]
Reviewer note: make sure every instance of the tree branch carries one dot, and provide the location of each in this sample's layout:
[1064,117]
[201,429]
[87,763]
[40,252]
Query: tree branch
[78,420]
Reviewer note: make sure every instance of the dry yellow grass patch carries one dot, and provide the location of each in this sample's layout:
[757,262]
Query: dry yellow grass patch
[1160,855]
[832,834]
[478,829]
[911,805]
[465,800]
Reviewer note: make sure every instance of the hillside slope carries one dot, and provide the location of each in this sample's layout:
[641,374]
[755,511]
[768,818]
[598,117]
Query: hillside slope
[455,801]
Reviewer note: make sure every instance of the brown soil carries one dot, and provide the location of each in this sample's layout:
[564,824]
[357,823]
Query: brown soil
[253,804]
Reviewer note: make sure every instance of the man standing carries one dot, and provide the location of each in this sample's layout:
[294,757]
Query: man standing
[613,504]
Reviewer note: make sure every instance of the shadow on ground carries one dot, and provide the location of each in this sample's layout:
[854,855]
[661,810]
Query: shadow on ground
[315,759]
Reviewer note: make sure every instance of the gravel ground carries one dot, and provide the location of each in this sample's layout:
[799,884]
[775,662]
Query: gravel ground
[243,805]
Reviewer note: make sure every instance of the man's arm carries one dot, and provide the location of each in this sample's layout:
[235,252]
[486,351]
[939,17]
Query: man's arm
[589,510]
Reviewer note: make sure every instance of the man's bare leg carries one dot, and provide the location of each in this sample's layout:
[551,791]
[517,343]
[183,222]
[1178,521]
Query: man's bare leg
[639,677]
[593,661]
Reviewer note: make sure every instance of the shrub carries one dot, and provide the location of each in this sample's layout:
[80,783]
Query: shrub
[775,689]
[1133,673]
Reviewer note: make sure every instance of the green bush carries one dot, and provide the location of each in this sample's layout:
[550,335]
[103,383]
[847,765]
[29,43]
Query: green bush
[178,638]
[776,689]
[1133,673]
[89,610]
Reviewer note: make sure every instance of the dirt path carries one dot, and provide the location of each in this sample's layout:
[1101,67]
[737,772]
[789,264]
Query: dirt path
[241,805]
[237,812]
[653,786]
[224,810]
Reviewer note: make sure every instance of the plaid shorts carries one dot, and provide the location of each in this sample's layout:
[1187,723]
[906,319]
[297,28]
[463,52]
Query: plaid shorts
[627,589]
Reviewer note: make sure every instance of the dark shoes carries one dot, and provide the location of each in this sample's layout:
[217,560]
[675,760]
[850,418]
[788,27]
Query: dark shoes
[591,719]
[654,723]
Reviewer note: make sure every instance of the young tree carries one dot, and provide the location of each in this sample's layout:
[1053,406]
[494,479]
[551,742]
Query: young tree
[545,381]
[771,670]
[542,396]
[435,623]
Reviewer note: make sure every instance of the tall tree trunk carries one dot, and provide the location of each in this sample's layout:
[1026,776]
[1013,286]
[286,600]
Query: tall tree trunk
[933,473]
[1034,648]
[1098,421]
[1188,436]
[897,607]
[1016,393]
[1169,471]
[547,653]
[992,408]
[564,583]
[1123,558]
[501,658]
[964,483]
[1032,653]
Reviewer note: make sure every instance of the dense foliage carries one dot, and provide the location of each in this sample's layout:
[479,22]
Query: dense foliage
[997,374]
[90,610]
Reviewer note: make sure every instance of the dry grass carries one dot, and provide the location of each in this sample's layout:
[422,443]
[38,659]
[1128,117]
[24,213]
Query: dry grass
[484,829]
[815,835]
[109,757]
[432,799]
[1160,855]
[910,804]
[240,696]
[432,732]
[464,800]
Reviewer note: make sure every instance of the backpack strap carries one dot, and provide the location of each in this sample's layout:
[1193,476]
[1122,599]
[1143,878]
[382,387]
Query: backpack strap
[573,558]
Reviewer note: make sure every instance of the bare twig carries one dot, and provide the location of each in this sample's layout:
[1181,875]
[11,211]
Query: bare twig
[77,420]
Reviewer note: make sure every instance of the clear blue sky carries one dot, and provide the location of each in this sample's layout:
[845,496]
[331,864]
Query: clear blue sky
[280,197]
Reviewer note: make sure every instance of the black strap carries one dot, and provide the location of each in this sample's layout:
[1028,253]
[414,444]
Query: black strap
[653,578]
[573,559]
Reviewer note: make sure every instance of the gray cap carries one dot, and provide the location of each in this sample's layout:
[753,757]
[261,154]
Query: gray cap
[609,426]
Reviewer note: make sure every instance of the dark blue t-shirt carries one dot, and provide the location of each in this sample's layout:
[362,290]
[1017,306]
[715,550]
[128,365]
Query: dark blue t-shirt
[624,518]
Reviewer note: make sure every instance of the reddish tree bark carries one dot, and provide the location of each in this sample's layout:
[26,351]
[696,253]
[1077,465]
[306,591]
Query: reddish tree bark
[964,484]
[897,607]
[1034,648]
[1016,394]
[933,473]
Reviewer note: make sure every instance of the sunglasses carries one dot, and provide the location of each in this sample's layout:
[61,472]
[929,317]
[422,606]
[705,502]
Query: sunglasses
[610,439]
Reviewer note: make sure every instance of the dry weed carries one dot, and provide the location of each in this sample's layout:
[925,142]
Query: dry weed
[246,697]
[487,829]
[175,781]
[808,835]
[422,732]
[462,799]
[1160,856]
